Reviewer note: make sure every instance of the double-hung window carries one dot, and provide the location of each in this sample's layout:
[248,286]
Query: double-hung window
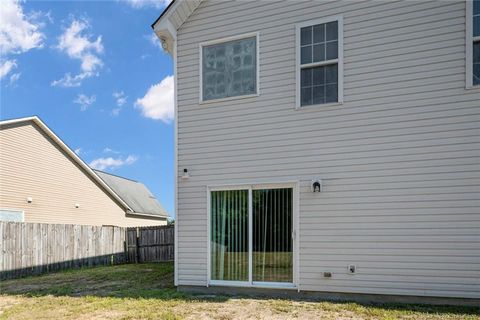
[319,62]
[229,68]
[473,43]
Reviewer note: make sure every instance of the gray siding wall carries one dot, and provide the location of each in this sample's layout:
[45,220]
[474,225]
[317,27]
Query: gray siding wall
[399,159]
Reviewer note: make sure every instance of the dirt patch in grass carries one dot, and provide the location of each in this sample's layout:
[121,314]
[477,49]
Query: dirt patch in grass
[145,291]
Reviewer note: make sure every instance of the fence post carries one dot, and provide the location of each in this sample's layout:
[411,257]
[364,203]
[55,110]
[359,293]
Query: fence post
[125,247]
[137,249]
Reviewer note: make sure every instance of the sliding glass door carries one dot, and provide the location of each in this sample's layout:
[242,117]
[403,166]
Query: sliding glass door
[251,235]
[229,235]
[272,235]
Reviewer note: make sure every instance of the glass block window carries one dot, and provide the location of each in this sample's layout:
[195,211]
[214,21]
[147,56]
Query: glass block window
[476,42]
[229,69]
[319,59]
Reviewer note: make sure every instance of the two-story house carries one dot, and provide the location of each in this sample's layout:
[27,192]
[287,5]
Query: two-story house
[327,146]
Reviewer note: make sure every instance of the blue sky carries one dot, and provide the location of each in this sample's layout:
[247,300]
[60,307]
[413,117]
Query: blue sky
[92,71]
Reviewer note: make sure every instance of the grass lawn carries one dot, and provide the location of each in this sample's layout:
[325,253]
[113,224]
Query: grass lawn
[146,291]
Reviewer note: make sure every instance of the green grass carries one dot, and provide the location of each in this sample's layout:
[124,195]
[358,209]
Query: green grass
[146,291]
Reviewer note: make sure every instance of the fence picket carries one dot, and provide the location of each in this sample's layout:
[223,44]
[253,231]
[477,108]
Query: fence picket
[154,244]
[33,248]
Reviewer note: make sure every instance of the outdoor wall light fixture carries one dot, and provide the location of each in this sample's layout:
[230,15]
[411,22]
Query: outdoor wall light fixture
[29,199]
[317,185]
[77,205]
[185,174]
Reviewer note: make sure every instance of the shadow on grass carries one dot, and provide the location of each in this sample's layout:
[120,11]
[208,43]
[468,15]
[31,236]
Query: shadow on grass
[155,281]
[135,281]
[93,261]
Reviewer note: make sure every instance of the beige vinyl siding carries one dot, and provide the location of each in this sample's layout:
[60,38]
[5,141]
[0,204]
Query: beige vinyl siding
[32,165]
[400,159]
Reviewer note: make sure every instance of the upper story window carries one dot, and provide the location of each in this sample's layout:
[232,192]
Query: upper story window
[229,68]
[473,43]
[320,62]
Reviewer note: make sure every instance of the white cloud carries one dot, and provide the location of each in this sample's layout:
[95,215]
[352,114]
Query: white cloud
[109,150]
[68,81]
[138,4]
[14,78]
[6,66]
[158,101]
[84,101]
[153,39]
[18,32]
[41,17]
[120,98]
[112,163]
[78,45]
[78,151]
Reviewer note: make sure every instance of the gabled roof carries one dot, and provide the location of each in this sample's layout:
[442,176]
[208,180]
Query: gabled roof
[135,194]
[171,19]
[162,14]
[71,154]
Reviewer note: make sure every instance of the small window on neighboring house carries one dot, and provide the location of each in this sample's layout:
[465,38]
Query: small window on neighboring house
[473,43]
[319,62]
[11,215]
[229,68]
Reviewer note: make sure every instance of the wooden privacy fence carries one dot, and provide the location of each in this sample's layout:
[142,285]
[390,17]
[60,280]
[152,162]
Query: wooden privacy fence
[150,244]
[33,248]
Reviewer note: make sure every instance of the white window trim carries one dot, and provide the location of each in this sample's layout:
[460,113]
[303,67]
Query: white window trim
[22,212]
[296,245]
[298,26]
[223,40]
[469,45]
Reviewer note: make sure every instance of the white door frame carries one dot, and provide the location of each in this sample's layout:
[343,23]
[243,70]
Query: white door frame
[295,208]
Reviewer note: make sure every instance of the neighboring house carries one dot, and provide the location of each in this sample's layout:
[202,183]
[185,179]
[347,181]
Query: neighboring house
[376,103]
[42,180]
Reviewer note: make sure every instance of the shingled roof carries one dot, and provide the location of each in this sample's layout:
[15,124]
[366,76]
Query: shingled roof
[135,194]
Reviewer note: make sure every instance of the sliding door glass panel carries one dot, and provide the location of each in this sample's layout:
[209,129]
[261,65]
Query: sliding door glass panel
[229,237]
[272,235]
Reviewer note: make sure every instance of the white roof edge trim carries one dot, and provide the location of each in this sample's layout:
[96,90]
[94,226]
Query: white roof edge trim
[148,215]
[166,15]
[71,153]
[165,30]
[18,120]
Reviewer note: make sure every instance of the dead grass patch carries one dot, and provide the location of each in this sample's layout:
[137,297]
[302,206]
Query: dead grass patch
[145,291]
